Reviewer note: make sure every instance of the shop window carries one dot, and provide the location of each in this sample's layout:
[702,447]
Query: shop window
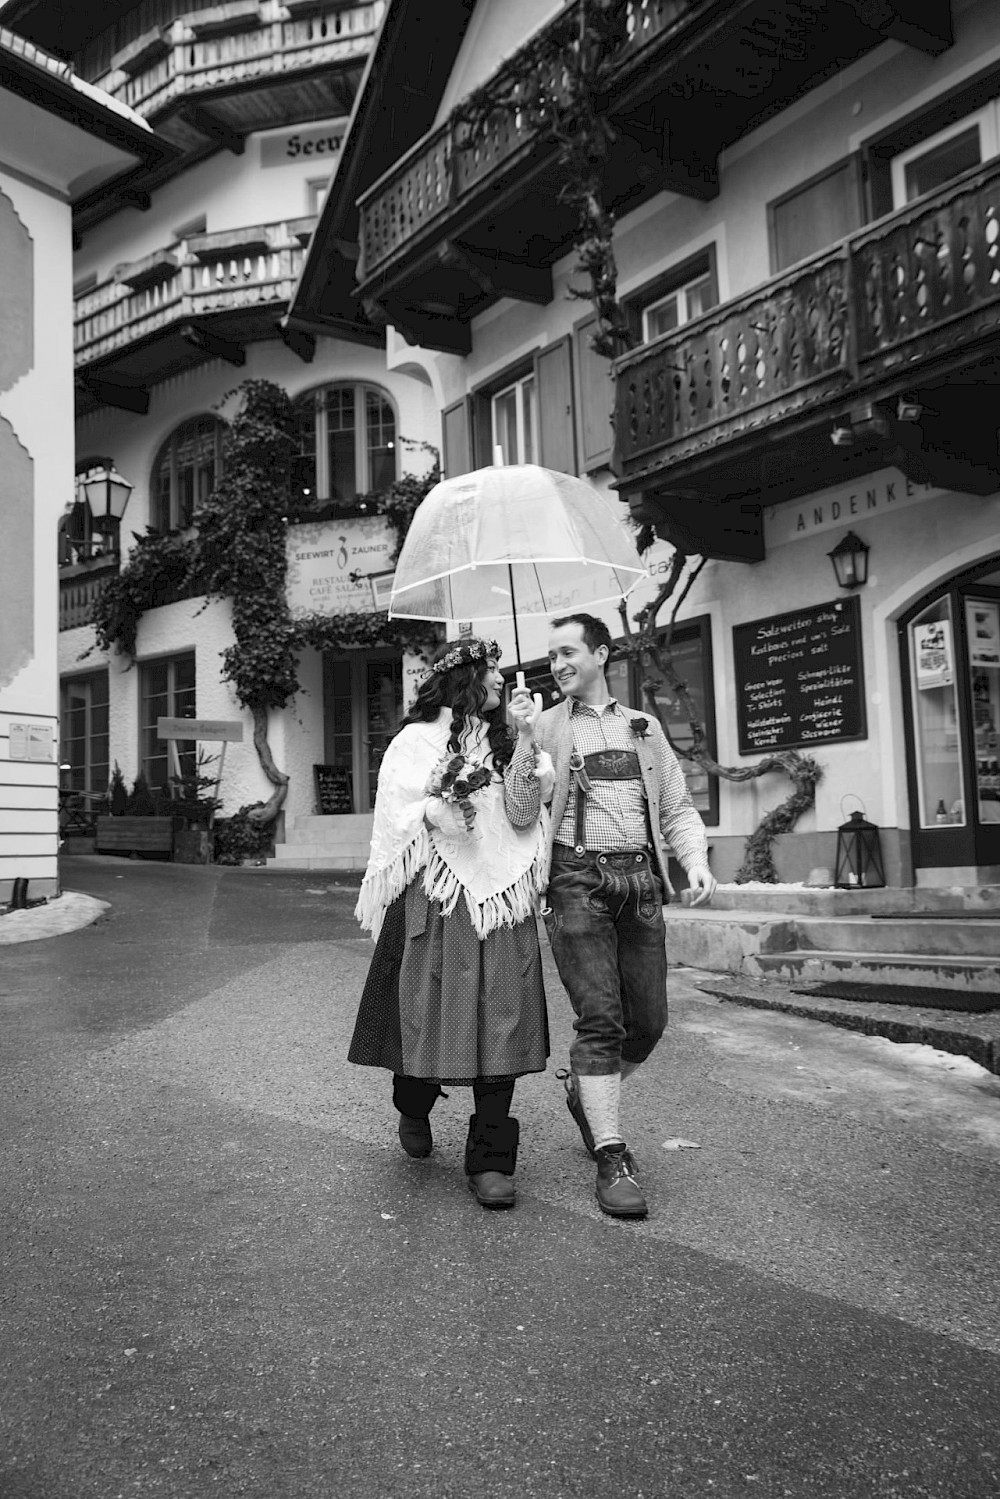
[186,471]
[349,433]
[166,690]
[528,411]
[83,732]
[815,214]
[691,651]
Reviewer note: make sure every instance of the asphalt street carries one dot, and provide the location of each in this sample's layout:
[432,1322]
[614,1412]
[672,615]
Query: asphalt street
[220,1275]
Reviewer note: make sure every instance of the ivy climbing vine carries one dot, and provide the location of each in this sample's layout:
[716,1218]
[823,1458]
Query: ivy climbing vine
[237,552]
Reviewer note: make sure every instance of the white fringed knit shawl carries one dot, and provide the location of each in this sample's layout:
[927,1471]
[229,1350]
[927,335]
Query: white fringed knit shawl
[498,870]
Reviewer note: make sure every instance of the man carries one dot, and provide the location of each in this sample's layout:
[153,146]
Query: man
[619,793]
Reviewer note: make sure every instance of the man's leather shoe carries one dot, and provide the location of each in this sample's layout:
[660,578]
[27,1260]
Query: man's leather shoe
[415,1136]
[575,1107]
[493,1189]
[618,1192]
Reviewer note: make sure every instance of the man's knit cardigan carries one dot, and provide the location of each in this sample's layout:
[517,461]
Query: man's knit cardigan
[676,817]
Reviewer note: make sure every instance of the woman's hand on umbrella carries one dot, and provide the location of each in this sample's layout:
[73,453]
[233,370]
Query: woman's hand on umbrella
[525,711]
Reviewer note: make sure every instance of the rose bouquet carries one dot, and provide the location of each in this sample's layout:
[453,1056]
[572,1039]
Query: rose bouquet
[454,779]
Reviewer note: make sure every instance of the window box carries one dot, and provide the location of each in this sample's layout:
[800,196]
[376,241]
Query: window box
[142,53]
[224,20]
[150,271]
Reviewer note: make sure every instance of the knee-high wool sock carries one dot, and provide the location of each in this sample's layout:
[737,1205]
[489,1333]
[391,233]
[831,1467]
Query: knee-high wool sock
[599,1096]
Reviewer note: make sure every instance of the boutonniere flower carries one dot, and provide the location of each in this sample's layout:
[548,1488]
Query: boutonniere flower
[639,727]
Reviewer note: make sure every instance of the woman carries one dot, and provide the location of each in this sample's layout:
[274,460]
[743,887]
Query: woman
[454,994]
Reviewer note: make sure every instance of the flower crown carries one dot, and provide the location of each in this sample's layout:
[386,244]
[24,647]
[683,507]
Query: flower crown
[465,651]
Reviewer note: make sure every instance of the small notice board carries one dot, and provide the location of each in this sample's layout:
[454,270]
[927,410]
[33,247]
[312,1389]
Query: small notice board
[334,789]
[800,677]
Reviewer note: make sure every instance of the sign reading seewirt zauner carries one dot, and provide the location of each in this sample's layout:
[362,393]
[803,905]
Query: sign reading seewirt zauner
[330,564]
[800,678]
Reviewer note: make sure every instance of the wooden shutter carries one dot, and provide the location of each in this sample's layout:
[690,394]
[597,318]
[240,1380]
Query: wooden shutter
[456,439]
[554,382]
[597,400]
[816,215]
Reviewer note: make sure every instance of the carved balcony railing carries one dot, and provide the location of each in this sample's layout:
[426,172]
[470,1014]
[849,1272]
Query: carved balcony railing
[79,585]
[182,63]
[440,172]
[891,304]
[208,273]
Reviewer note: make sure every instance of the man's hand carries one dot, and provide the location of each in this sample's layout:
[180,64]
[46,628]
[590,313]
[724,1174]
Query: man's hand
[701,885]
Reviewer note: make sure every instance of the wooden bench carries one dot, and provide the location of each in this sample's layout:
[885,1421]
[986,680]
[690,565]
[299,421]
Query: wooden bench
[135,835]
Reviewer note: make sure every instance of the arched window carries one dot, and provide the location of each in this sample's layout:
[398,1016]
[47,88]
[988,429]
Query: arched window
[349,430]
[185,472]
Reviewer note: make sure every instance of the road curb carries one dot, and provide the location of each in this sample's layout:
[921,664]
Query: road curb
[973,1036]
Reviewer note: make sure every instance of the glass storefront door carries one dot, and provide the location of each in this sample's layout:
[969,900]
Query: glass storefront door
[951,649]
[362,709]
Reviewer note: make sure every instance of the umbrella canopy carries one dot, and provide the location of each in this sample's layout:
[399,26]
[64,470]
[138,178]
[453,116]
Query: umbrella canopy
[505,542]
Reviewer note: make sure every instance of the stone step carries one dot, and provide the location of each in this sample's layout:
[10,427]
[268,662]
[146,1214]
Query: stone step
[784,900]
[970,974]
[290,853]
[333,829]
[332,863]
[349,838]
[861,934]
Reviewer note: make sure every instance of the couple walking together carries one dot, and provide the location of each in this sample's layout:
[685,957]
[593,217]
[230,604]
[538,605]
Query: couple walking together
[474,820]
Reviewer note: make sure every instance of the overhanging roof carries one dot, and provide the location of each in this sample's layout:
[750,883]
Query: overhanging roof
[396,104]
[32,79]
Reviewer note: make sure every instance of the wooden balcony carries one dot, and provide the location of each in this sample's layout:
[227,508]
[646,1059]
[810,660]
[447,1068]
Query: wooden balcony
[79,585]
[454,226]
[201,298]
[207,80]
[892,335]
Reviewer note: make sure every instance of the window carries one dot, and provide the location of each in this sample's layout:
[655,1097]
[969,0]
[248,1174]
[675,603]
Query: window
[683,292]
[515,421]
[677,307]
[815,214]
[185,472]
[316,190]
[349,432]
[83,738]
[947,154]
[166,690]
[692,656]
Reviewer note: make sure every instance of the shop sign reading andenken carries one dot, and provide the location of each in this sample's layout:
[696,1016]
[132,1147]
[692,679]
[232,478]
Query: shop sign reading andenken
[875,495]
[339,566]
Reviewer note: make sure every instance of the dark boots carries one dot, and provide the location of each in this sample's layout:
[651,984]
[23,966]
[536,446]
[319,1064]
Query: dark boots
[490,1159]
[414,1099]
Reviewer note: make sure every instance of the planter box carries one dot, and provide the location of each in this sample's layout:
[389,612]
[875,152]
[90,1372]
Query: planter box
[134,835]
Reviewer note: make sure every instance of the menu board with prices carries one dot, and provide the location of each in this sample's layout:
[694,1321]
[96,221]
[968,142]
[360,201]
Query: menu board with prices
[334,790]
[800,678]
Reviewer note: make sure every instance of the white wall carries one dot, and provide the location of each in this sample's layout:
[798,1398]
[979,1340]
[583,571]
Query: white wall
[497,29]
[39,408]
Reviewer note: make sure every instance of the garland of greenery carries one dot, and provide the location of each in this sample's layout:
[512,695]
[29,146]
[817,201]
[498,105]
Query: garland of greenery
[238,553]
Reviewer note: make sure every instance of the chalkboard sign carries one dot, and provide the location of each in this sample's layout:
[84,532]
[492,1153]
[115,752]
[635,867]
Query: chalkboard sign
[334,791]
[800,677]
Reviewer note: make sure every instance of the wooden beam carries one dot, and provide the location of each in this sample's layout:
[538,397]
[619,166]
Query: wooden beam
[132,197]
[727,530]
[302,344]
[448,335]
[134,398]
[923,24]
[215,129]
[212,344]
[499,278]
[677,163]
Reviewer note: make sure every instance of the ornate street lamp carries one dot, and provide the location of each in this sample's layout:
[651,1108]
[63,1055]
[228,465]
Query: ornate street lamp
[107,495]
[850,561]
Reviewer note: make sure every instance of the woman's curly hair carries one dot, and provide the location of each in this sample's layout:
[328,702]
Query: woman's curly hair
[463,690]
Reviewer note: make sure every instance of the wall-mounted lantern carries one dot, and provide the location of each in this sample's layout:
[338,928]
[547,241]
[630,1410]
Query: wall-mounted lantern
[859,855]
[107,495]
[850,561]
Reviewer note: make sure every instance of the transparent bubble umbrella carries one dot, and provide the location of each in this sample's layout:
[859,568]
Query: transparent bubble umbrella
[509,542]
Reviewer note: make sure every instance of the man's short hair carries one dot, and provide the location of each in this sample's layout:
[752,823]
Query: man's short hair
[595,631]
